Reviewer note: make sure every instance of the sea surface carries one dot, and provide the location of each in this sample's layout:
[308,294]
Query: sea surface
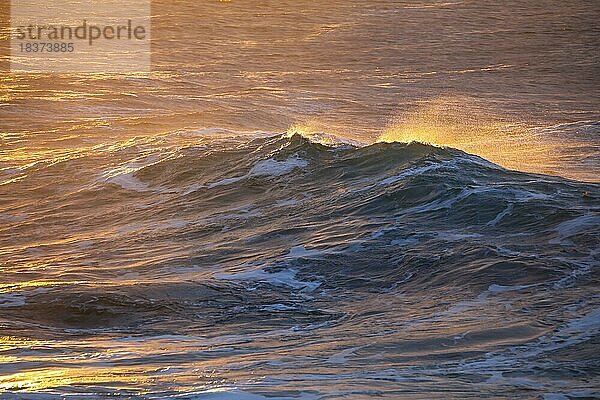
[310,200]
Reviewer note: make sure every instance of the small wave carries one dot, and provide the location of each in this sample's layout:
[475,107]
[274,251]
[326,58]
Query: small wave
[266,168]
[419,264]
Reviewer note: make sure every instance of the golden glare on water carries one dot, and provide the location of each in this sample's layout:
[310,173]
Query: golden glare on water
[51,378]
[84,365]
[464,124]
[459,122]
[35,380]
[160,237]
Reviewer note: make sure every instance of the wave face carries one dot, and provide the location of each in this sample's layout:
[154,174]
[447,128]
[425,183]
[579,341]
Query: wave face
[280,267]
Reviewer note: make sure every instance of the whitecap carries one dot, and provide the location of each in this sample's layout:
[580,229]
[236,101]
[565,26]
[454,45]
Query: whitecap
[301,251]
[269,167]
[286,277]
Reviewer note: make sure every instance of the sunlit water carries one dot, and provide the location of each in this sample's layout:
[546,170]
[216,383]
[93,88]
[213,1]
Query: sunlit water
[246,221]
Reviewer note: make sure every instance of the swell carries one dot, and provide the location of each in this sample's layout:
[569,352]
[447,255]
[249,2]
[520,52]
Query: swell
[297,219]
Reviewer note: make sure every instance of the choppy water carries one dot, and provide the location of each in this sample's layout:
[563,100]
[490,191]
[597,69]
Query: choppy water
[161,237]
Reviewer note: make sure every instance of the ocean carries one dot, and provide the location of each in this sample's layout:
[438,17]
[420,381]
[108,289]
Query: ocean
[310,200]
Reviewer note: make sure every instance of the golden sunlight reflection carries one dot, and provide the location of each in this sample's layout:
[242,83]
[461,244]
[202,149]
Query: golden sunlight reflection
[170,234]
[469,125]
[323,132]
[52,378]
[93,365]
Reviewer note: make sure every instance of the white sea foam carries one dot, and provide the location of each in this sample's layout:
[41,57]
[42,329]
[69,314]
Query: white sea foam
[379,233]
[555,396]
[415,171]
[192,188]
[395,242]
[278,307]
[301,251]
[404,241]
[583,268]
[589,323]
[507,211]
[484,297]
[576,226]
[12,300]
[571,333]
[269,167]
[227,181]
[286,277]
[411,171]
[272,167]
[449,236]
[342,356]
[123,175]
[494,288]
[128,181]
[287,203]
